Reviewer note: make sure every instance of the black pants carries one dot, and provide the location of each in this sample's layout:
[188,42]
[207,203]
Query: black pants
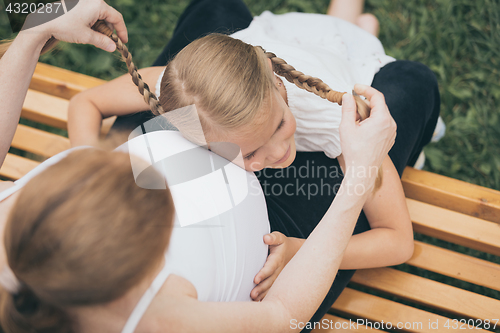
[411,94]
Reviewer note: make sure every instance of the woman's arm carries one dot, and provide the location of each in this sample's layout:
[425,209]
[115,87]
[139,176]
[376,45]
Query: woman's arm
[16,68]
[114,98]
[298,290]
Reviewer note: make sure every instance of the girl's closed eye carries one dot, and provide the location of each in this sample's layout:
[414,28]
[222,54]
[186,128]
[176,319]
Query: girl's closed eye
[281,124]
[250,156]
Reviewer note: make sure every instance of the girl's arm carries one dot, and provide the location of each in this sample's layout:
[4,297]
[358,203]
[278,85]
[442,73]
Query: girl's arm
[114,98]
[390,240]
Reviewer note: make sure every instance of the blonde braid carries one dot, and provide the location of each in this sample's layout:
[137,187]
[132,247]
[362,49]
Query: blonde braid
[313,84]
[149,97]
[320,88]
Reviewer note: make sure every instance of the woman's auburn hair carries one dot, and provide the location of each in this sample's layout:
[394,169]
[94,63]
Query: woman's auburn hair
[81,233]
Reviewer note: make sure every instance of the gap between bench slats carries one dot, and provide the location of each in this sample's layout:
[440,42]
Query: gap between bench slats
[428,292]
[337,324]
[452,194]
[14,167]
[456,265]
[356,304]
[455,227]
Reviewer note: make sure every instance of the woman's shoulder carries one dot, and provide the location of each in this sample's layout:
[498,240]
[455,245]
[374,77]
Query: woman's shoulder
[167,307]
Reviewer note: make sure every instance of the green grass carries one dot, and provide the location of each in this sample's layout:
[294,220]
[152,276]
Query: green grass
[459,40]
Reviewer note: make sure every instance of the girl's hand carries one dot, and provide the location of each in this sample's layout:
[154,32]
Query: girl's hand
[75,25]
[281,251]
[366,144]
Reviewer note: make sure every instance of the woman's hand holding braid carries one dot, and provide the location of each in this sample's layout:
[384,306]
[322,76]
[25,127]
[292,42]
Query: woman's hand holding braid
[367,143]
[75,25]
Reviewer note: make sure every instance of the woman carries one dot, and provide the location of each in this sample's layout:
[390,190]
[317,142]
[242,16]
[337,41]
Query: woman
[106,277]
[413,98]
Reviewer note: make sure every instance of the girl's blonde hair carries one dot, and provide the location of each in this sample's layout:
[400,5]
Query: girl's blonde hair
[81,233]
[229,82]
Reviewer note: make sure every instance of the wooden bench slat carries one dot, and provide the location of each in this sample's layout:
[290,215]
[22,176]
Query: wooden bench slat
[54,87]
[428,292]
[61,82]
[65,84]
[336,324]
[39,142]
[14,167]
[45,109]
[455,227]
[361,305]
[452,194]
[456,265]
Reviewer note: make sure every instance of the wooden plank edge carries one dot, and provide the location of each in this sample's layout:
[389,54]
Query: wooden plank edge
[359,305]
[429,293]
[453,194]
[463,267]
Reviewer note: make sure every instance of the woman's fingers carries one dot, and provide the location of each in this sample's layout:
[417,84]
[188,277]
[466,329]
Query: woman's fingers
[111,15]
[375,97]
[367,143]
[349,113]
[101,41]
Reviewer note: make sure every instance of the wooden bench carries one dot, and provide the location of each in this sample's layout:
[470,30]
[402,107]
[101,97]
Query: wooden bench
[440,207]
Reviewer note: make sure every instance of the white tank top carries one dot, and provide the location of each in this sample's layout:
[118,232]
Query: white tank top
[221,252]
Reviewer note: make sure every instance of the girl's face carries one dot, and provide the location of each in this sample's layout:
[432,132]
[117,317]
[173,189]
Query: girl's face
[269,142]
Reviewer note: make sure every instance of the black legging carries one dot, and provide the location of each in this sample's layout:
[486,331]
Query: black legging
[411,93]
